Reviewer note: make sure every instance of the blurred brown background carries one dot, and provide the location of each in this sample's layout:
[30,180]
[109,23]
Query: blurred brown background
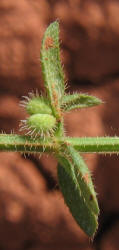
[33,215]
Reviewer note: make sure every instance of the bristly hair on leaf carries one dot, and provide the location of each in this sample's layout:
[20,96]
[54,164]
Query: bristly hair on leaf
[77,100]
[52,68]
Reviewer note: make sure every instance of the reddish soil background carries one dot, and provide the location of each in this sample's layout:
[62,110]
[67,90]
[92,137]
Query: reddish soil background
[33,215]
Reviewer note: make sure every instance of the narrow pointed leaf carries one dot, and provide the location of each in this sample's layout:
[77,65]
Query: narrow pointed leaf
[51,67]
[84,179]
[74,198]
[76,101]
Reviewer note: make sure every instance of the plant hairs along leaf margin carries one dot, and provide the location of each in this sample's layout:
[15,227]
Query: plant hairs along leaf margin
[51,67]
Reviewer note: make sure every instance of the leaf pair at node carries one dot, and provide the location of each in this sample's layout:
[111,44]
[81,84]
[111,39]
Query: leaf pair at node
[46,119]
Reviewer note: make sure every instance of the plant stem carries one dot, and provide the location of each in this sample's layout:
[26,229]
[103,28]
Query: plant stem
[95,144]
[19,143]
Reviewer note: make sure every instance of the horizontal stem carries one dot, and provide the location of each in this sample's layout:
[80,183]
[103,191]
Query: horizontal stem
[24,144]
[95,144]
[19,143]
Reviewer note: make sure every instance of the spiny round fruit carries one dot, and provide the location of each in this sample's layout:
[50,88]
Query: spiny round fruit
[38,105]
[41,123]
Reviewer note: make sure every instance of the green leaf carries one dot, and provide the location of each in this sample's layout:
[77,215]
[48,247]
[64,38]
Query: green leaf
[51,67]
[84,179]
[78,191]
[76,100]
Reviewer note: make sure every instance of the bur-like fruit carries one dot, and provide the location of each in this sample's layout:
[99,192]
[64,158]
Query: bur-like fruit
[38,105]
[41,123]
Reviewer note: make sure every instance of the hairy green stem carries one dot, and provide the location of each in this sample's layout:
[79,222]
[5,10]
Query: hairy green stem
[21,143]
[24,144]
[95,144]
